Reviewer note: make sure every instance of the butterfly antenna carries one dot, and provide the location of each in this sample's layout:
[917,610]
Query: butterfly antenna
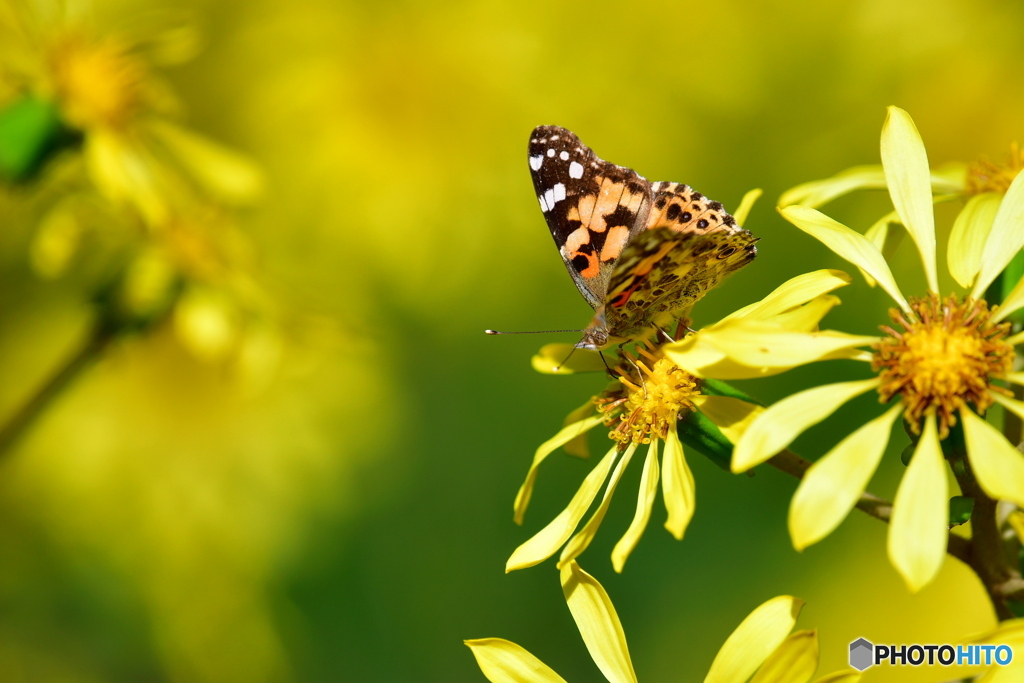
[566,359]
[530,332]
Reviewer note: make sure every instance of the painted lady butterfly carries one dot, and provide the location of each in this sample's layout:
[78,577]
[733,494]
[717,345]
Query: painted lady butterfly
[641,253]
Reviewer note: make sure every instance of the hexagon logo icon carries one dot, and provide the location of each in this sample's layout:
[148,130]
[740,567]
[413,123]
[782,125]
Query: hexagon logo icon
[861,652]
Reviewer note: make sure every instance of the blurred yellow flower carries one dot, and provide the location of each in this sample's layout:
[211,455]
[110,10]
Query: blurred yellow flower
[135,154]
[652,394]
[761,646]
[940,366]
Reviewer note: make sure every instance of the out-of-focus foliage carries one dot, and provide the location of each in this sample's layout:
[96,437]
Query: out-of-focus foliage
[328,495]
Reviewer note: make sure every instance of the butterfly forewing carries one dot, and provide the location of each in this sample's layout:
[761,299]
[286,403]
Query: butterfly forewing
[593,208]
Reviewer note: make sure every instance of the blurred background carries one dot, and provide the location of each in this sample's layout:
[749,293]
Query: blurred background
[305,471]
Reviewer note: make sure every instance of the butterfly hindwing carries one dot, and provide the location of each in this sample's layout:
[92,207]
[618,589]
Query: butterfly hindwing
[593,208]
[663,271]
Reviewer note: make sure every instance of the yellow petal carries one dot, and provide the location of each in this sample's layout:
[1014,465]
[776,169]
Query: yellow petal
[887,234]
[781,423]
[227,175]
[644,502]
[918,528]
[819,192]
[970,232]
[575,547]
[57,239]
[1005,239]
[699,355]
[848,244]
[598,624]
[792,293]
[677,487]
[1013,301]
[567,434]
[832,485]
[502,661]
[807,317]
[757,344]
[566,359]
[126,173]
[754,639]
[545,542]
[1015,339]
[998,466]
[795,661]
[746,204]
[578,446]
[731,415]
[845,676]
[906,173]
[1011,404]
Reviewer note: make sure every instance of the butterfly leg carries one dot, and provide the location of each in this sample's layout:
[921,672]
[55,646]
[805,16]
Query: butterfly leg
[639,372]
[668,337]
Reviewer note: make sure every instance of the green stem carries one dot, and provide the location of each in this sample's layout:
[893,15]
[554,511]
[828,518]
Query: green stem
[988,556]
[16,426]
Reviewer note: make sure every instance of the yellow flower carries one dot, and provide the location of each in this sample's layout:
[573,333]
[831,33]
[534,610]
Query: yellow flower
[103,85]
[938,365]
[645,406]
[761,646]
[982,185]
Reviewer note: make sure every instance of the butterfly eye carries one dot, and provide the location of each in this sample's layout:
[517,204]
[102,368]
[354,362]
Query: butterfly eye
[727,252]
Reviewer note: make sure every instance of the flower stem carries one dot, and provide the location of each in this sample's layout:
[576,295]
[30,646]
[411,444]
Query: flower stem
[988,557]
[93,346]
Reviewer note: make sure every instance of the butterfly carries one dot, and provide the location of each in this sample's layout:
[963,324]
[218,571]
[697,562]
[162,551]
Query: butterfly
[641,253]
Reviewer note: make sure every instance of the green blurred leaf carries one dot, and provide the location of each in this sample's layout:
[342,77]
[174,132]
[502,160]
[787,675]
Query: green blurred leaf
[30,133]
[960,509]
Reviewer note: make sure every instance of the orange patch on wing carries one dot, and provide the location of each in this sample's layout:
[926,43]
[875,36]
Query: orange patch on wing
[614,242]
[576,239]
[593,268]
[586,207]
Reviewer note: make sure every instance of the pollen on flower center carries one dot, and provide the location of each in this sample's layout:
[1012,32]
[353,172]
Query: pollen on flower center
[943,359]
[985,176]
[99,83]
[649,404]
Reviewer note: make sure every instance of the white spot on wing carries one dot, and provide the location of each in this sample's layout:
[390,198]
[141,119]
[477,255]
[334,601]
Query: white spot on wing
[536,161]
[551,152]
[549,197]
[576,170]
[564,156]
[559,192]
[543,203]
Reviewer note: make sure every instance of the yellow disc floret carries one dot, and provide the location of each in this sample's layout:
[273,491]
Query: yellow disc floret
[654,394]
[944,358]
[98,82]
[985,176]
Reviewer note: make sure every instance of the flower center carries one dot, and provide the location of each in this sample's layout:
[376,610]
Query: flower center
[942,359]
[649,401]
[99,83]
[984,176]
